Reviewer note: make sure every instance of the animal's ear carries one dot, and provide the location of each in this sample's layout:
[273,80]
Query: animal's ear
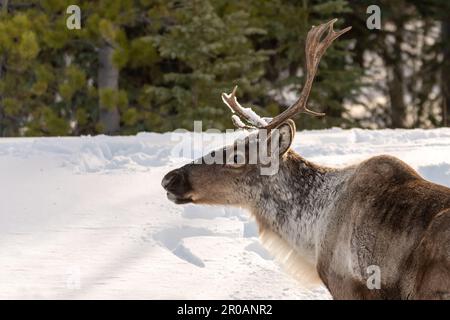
[286,133]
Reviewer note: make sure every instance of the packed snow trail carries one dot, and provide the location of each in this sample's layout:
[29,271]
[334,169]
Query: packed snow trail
[86,218]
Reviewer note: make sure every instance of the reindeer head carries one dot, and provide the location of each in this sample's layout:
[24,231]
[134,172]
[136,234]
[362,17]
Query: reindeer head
[231,175]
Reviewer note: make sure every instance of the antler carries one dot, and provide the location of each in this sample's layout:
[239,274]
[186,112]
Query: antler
[315,48]
[246,113]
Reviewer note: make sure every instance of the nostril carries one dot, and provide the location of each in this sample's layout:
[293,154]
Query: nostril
[171,180]
[167,180]
[176,182]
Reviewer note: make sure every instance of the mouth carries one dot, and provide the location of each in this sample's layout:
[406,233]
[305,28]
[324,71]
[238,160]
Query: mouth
[177,199]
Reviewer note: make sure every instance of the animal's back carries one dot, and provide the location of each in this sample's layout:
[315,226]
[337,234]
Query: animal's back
[395,196]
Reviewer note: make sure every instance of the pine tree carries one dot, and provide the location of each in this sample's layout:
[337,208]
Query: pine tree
[158,65]
[202,52]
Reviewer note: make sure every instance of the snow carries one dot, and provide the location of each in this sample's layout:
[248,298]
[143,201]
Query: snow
[250,115]
[86,217]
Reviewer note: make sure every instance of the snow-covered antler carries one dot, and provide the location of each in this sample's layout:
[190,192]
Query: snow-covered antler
[315,48]
[248,114]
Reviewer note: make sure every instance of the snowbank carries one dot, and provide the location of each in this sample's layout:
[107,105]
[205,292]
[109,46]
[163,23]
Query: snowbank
[86,217]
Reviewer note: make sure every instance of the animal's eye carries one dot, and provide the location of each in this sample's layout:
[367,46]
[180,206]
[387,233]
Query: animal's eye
[236,160]
[213,154]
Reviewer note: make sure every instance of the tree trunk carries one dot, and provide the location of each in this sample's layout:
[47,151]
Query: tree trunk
[396,87]
[4,4]
[108,77]
[446,74]
[396,96]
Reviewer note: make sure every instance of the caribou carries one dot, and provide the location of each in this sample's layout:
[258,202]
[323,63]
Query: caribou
[329,225]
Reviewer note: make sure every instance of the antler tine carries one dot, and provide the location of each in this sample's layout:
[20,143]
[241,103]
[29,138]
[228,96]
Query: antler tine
[315,48]
[242,113]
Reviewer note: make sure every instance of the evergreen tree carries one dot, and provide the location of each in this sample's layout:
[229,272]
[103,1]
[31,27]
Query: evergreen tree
[154,65]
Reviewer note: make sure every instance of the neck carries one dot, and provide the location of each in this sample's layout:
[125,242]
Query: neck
[295,203]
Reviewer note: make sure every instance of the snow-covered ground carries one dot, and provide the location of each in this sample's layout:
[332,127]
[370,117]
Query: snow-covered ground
[87,218]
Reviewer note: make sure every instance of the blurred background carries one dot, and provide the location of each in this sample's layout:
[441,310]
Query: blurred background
[150,65]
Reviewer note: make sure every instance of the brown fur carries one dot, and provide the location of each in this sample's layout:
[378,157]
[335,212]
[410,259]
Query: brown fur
[338,221]
[394,219]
